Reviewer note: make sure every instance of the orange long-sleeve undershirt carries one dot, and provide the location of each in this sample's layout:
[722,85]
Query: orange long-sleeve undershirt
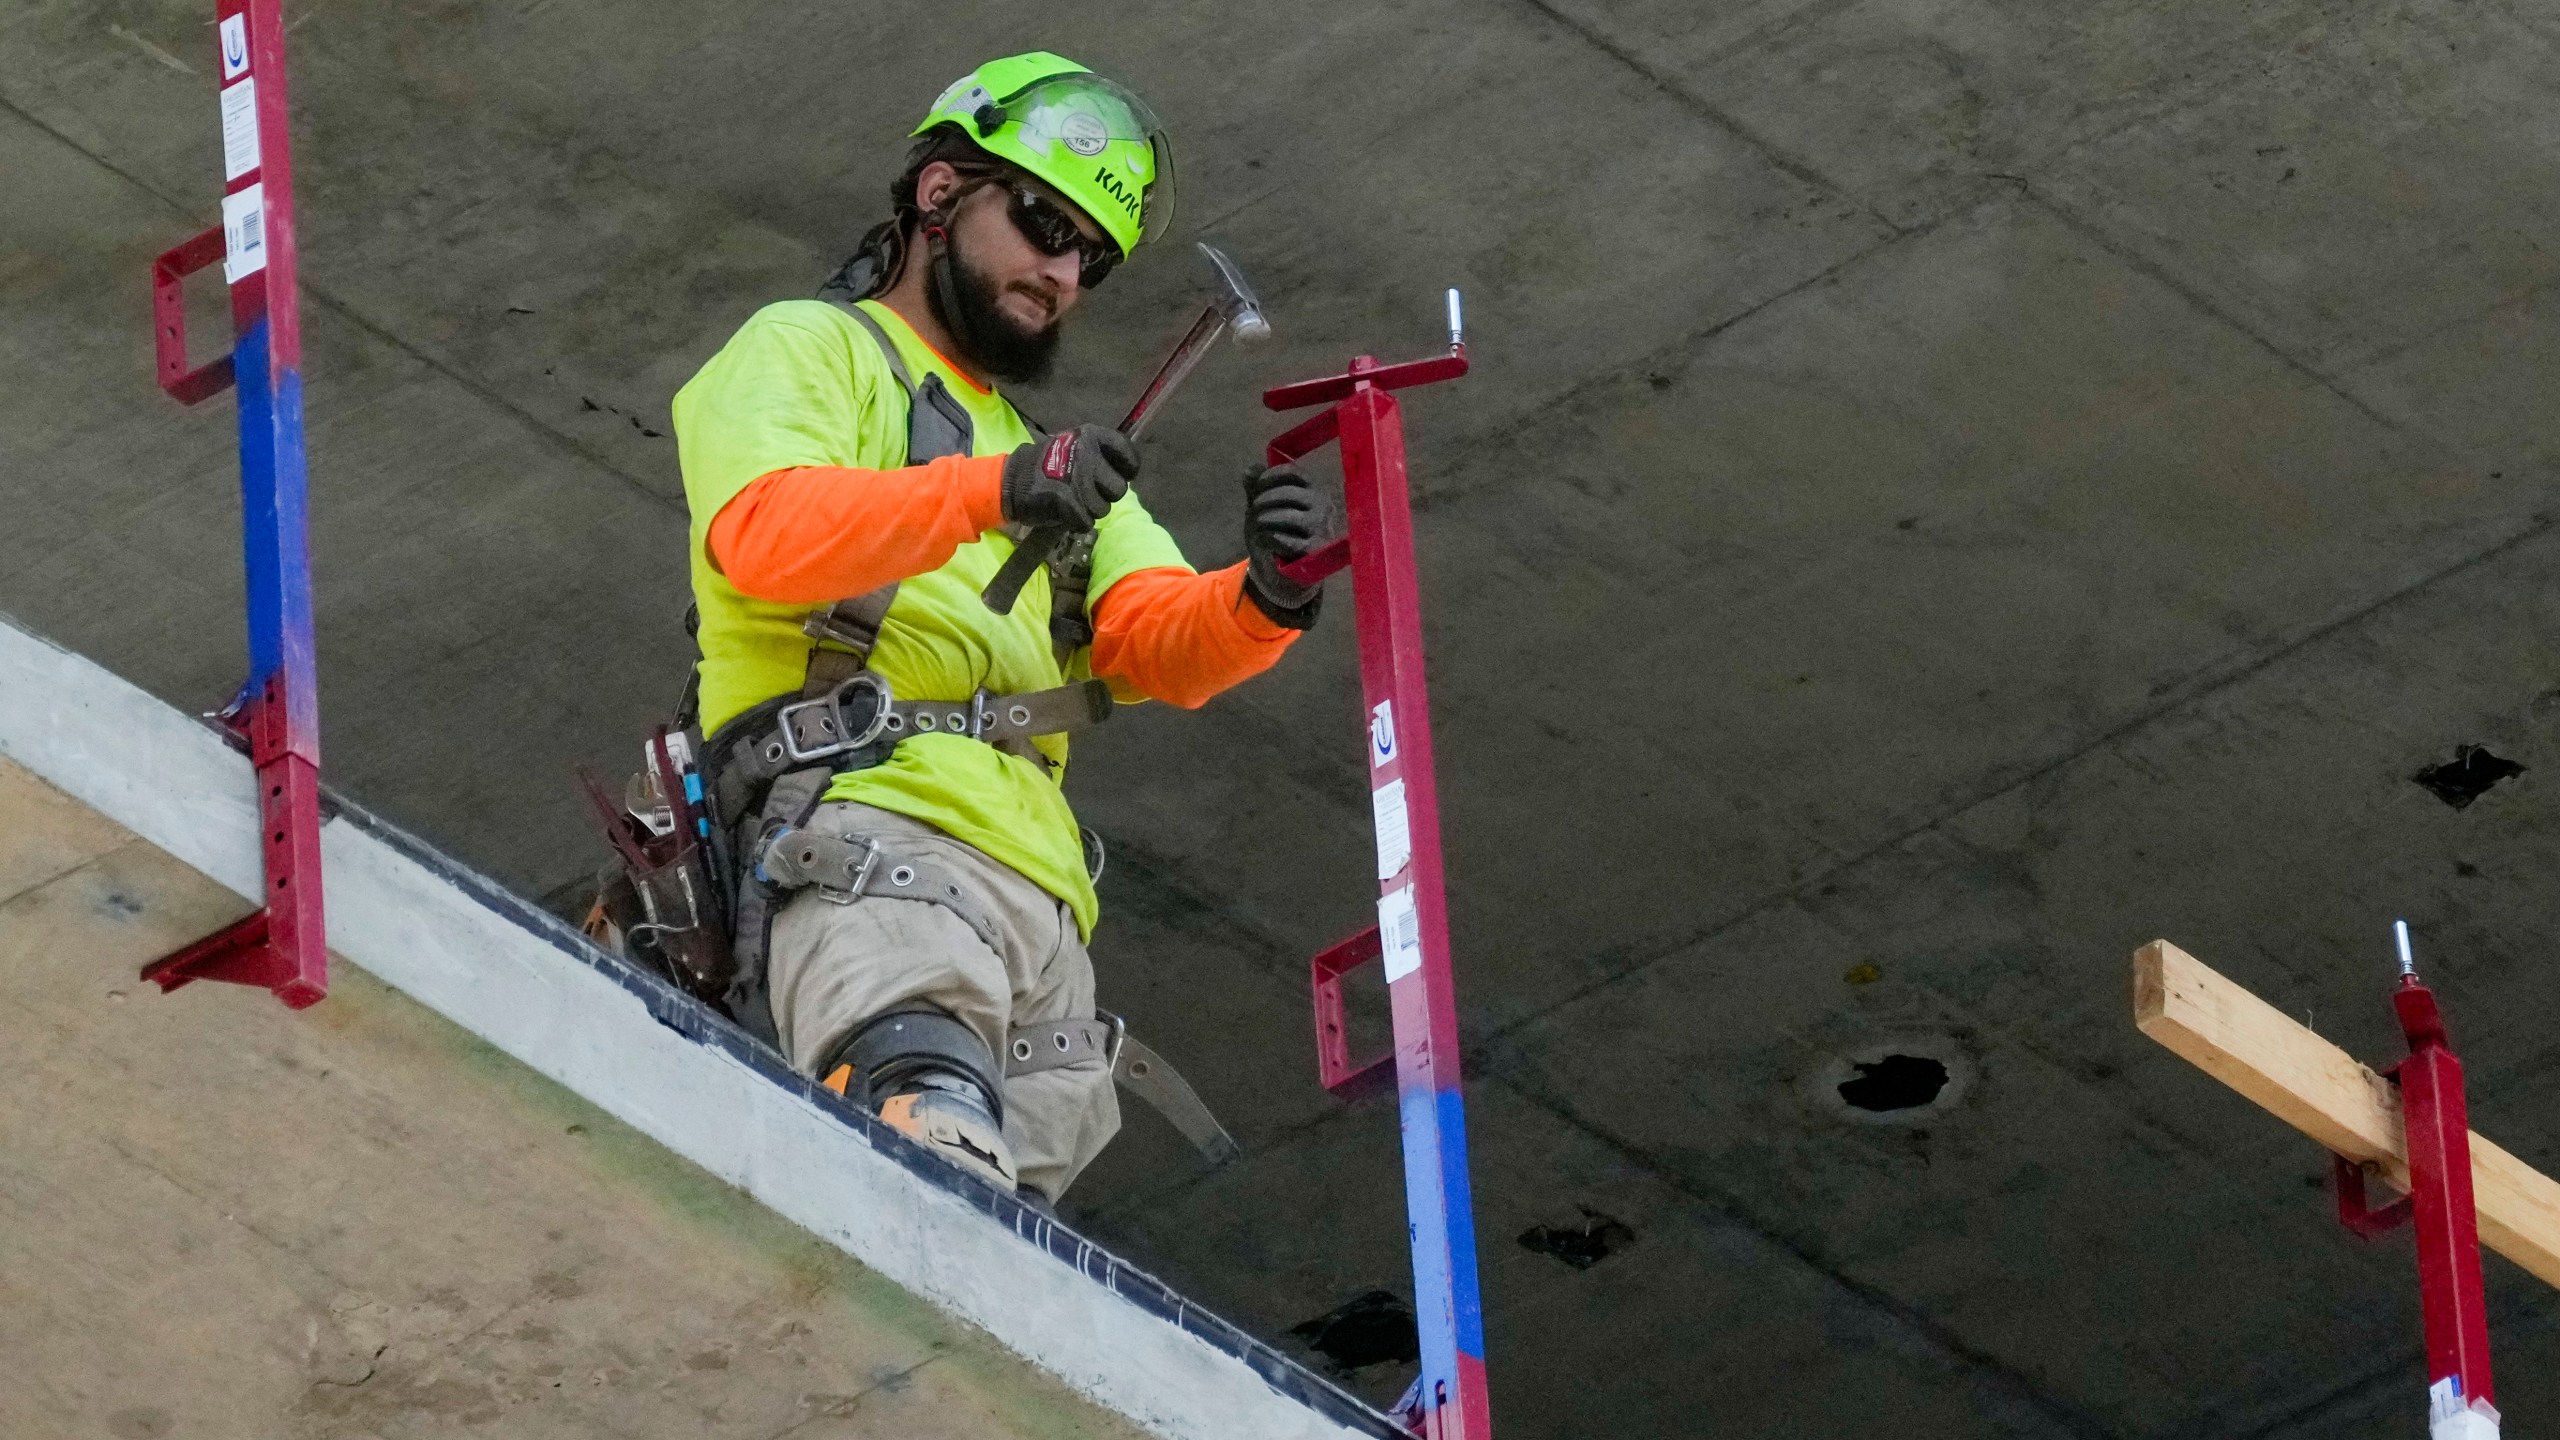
[818,533]
[1181,638]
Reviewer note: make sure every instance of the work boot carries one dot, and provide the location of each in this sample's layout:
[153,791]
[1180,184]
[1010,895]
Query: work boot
[946,1115]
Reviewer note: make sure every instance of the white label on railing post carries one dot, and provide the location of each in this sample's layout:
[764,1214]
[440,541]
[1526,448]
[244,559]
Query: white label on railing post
[1395,829]
[244,233]
[240,129]
[1399,933]
[235,47]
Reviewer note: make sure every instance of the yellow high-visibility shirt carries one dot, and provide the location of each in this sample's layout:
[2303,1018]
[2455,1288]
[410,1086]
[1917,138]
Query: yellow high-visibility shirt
[802,383]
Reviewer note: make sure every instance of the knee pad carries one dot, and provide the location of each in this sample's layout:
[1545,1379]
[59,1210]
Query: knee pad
[896,1050]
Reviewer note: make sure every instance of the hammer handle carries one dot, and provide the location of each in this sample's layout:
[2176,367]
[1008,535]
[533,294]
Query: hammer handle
[1036,548]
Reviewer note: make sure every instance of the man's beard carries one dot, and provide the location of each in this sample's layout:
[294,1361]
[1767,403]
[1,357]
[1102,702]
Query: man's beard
[988,338]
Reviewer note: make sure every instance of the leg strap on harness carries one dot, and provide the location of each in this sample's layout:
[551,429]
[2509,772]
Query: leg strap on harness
[1056,1044]
[844,871]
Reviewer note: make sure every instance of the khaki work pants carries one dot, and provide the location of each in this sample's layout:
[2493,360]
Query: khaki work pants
[833,966]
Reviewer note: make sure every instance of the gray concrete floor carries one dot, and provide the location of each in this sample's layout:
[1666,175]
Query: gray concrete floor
[221,1219]
[1952,489]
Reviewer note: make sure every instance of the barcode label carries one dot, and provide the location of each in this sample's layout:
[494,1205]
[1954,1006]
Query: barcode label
[244,233]
[1399,933]
[240,129]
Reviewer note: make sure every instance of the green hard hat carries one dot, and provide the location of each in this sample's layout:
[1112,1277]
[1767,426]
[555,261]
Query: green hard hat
[1089,139]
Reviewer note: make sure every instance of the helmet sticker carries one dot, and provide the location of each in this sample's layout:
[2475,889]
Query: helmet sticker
[1084,133]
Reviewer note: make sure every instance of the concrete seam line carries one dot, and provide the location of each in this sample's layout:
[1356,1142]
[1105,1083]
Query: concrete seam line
[534,988]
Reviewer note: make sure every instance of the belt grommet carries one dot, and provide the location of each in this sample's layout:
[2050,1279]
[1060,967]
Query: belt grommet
[955,721]
[773,751]
[1060,1037]
[1021,1049]
[903,876]
[1019,714]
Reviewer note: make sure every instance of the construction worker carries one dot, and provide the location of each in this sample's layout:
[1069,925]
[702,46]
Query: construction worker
[876,730]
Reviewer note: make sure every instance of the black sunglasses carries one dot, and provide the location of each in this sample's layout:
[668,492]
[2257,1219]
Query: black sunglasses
[1052,231]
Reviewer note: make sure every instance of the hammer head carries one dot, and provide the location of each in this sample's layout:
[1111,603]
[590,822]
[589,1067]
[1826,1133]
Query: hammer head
[1236,299]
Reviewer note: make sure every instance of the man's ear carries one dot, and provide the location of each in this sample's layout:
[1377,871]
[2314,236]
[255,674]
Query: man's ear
[934,184]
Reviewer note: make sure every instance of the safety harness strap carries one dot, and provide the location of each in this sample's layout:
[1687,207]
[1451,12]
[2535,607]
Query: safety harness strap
[1058,1044]
[859,722]
[937,425]
[1144,1073]
[844,871]
[851,624]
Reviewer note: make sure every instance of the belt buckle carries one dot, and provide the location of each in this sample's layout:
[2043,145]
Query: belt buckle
[833,704]
[861,877]
[1119,1028]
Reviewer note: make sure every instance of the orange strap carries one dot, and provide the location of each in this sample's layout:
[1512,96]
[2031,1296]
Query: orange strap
[817,533]
[1181,638]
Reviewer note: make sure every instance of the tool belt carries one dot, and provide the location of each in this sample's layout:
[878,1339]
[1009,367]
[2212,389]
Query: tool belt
[766,771]
[857,722]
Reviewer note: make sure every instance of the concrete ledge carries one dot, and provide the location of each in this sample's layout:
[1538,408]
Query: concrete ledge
[680,1073]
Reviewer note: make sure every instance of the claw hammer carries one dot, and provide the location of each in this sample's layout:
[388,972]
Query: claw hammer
[1232,307]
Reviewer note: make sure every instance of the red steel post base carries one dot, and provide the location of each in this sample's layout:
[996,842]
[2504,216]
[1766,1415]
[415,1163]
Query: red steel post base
[282,946]
[2461,1398]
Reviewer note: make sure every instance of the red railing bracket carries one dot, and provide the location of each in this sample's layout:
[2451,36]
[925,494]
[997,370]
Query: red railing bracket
[1333,1039]
[169,321]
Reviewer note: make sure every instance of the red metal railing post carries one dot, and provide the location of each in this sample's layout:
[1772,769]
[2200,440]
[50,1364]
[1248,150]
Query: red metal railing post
[283,946]
[2461,1397]
[1412,935]
[2448,1228]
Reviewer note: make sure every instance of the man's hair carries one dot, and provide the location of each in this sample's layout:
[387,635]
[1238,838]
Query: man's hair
[945,142]
[883,251]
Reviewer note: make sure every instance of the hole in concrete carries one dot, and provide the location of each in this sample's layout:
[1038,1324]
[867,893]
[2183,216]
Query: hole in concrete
[2467,776]
[1579,1246]
[1369,1329]
[1896,1082]
[1906,1079]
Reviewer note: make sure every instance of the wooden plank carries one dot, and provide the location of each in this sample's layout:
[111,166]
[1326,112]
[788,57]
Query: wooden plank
[45,833]
[2322,1091]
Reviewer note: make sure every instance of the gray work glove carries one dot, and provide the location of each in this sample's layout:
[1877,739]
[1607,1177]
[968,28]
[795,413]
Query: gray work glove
[1070,479]
[1284,519]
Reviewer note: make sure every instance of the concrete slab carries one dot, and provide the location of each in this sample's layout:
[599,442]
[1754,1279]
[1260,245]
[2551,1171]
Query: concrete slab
[1911,106]
[2378,185]
[1949,517]
[221,1218]
[1737,1316]
[2274,826]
